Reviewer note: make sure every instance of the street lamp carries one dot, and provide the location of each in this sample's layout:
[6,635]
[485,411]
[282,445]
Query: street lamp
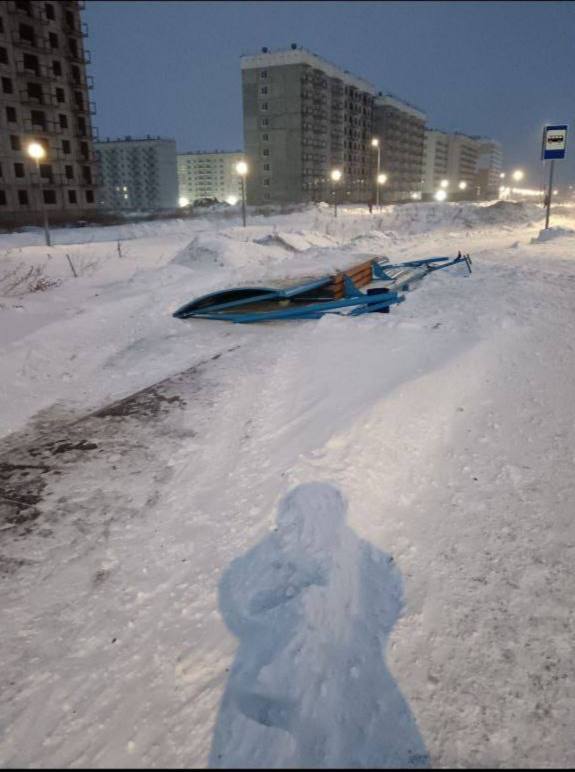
[462,185]
[183,201]
[518,175]
[375,144]
[440,195]
[242,170]
[36,151]
[444,183]
[335,177]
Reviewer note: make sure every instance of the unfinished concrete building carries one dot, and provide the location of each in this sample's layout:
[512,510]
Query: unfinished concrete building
[44,98]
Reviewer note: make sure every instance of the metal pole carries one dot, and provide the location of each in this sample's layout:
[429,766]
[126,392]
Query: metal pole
[377,177]
[43,205]
[244,201]
[549,193]
[335,200]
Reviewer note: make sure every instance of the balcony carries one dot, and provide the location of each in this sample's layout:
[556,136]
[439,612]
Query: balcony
[44,100]
[91,133]
[82,56]
[88,108]
[81,31]
[35,45]
[48,127]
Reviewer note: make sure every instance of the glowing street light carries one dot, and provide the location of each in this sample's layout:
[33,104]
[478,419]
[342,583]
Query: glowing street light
[440,195]
[375,144]
[242,170]
[518,175]
[444,183]
[335,175]
[183,201]
[37,152]
[232,200]
[381,179]
[462,185]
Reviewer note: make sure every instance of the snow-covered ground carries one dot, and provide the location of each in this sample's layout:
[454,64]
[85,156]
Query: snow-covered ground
[321,543]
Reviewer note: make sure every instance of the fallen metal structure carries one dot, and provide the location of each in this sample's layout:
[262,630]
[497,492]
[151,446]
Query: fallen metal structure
[311,298]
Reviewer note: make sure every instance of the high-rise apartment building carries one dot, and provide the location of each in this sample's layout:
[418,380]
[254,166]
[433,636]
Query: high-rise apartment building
[209,175]
[435,149]
[450,158]
[462,158]
[138,174]
[489,168]
[400,130]
[44,92]
[304,117]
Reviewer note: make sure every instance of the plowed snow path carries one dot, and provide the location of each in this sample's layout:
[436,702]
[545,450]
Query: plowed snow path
[445,431]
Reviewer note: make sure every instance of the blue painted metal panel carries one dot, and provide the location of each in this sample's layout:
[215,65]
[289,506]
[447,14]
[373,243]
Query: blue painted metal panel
[313,311]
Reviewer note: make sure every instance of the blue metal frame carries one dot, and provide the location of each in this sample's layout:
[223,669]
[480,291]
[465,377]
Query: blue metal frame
[354,299]
[363,303]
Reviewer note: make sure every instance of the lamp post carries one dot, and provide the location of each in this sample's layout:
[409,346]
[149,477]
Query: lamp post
[517,175]
[37,152]
[335,177]
[381,180]
[242,170]
[375,144]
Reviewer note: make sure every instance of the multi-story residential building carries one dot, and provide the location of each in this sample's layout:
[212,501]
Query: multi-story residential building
[303,118]
[450,158]
[209,175]
[138,174]
[462,158]
[489,168]
[400,129]
[435,150]
[44,93]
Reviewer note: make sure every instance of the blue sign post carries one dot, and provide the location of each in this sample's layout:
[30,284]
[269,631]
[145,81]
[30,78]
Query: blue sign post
[554,147]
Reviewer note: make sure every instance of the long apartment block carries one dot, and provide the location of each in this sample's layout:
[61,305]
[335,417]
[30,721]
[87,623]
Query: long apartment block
[304,117]
[400,130]
[44,98]
[138,173]
[209,175]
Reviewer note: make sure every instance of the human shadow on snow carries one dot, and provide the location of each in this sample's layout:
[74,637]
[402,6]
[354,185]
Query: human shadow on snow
[312,606]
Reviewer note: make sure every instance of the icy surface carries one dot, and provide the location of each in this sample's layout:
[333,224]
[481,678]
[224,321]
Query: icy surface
[324,543]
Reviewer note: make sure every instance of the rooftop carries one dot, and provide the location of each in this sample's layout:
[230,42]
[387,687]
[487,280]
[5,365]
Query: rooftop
[299,55]
[211,152]
[128,138]
[401,104]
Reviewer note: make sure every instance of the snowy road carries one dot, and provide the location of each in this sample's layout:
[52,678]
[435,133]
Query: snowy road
[173,597]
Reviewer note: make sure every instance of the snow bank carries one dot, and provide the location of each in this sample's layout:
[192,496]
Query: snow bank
[549,234]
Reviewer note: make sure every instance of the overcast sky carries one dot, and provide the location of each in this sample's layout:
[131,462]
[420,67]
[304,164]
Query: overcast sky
[500,69]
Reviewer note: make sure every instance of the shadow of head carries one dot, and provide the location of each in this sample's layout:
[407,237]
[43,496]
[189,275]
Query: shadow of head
[311,514]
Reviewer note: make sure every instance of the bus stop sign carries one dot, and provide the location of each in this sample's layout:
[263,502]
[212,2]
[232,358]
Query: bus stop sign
[554,142]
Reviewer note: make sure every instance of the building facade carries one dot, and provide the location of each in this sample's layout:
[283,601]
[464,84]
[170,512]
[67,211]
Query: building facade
[450,163]
[400,129]
[44,98]
[435,151]
[462,160]
[209,175]
[489,168]
[304,117]
[138,174]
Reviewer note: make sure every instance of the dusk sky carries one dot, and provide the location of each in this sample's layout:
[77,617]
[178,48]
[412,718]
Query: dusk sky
[499,69]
